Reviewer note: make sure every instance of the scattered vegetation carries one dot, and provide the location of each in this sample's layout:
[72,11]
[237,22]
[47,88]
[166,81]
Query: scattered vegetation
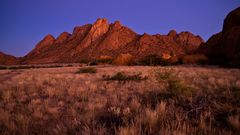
[90,70]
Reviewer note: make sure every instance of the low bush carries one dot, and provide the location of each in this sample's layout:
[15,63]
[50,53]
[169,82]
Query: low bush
[163,75]
[174,86]
[3,67]
[154,60]
[178,89]
[85,61]
[173,60]
[195,59]
[87,70]
[120,76]
[124,59]
[104,59]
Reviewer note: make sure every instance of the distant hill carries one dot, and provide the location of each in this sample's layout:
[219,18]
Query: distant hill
[6,59]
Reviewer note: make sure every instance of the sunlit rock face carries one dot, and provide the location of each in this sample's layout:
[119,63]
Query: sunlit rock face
[63,37]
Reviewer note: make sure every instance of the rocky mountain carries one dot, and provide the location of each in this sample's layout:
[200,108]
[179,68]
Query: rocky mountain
[223,48]
[6,59]
[106,39]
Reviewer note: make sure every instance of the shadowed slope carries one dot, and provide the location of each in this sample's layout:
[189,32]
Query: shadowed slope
[224,47]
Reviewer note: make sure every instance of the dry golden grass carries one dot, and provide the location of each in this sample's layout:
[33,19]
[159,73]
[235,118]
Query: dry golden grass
[171,100]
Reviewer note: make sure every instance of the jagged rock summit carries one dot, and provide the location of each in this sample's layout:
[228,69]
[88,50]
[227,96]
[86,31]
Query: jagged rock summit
[102,38]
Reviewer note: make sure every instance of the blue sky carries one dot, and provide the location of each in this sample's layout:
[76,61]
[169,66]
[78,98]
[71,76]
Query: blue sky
[24,23]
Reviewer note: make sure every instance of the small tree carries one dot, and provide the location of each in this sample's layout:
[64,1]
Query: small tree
[154,60]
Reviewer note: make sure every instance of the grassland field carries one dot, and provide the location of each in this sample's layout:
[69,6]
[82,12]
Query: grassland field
[119,100]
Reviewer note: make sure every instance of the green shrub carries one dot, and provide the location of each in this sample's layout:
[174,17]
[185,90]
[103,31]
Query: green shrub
[235,91]
[174,86]
[195,59]
[154,60]
[177,88]
[85,61]
[124,59]
[87,70]
[3,67]
[104,59]
[120,76]
[163,75]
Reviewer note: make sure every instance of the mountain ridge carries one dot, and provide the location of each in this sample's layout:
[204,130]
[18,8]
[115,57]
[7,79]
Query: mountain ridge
[90,41]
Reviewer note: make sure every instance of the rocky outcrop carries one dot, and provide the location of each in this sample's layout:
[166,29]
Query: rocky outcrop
[224,48]
[90,41]
[232,20]
[6,59]
[79,32]
[98,29]
[63,37]
[173,43]
[117,37]
[42,46]
[189,41]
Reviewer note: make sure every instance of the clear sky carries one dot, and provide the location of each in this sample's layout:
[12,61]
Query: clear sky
[23,23]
